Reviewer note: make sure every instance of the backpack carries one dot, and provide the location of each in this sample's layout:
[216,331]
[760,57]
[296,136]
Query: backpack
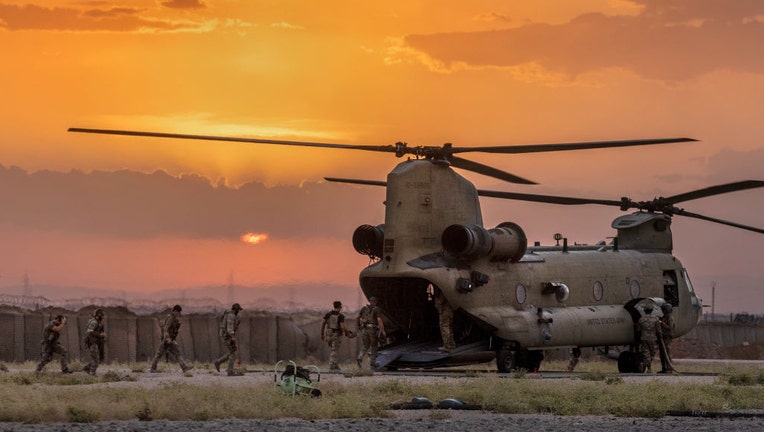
[364,317]
[332,321]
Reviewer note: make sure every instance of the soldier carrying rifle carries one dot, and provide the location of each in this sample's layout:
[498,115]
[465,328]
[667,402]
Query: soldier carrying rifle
[169,345]
[51,345]
[95,336]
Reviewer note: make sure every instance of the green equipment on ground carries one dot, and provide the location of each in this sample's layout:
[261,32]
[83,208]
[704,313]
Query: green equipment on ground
[296,379]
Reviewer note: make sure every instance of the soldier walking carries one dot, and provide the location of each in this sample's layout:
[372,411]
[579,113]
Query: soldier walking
[332,330]
[229,327]
[95,336]
[50,345]
[649,330]
[372,329]
[169,346]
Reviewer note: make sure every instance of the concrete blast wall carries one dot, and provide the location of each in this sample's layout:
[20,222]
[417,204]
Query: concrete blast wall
[264,337]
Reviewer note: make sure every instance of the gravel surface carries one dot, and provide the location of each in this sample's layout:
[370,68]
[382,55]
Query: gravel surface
[448,421]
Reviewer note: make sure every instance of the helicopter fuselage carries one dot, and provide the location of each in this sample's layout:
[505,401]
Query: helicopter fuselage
[507,295]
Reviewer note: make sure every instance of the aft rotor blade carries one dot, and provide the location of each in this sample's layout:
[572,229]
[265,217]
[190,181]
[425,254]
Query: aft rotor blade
[720,221]
[715,190]
[550,199]
[388,148]
[486,170]
[536,148]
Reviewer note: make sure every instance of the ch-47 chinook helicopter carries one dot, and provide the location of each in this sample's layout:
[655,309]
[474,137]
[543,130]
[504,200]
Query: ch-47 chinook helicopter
[512,301]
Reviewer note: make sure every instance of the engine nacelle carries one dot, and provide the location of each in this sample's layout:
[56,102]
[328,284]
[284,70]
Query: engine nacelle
[505,242]
[367,240]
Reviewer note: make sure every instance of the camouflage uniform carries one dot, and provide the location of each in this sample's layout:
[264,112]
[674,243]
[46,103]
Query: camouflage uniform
[446,320]
[368,326]
[51,345]
[650,329]
[667,331]
[332,330]
[94,341]
[229,326]
[169,345]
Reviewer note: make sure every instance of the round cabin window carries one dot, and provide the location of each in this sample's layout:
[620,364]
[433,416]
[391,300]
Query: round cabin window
[598,290]
[521,293]
[634,288]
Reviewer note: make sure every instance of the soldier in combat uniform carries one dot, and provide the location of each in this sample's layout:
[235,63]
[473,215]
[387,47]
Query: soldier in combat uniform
[372,329]
[332,330]
[649,330]
[169,345]
[445,319]
[229,327]
[95,336]
[667,335]
[51,345]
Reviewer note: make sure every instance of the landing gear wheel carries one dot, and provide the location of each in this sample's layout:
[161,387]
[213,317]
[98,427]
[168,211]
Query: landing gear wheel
[506,360]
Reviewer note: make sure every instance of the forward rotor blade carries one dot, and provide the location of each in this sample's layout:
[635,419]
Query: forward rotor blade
[388,148]
[715,190]
[550,199]
[720,221]
[354,181]
[536,148]
[486,170]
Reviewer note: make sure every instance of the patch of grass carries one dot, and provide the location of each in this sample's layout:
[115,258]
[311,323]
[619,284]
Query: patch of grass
[613,380]
[144,414]
[78,415]
[746,378]
[53,397]
[593,376]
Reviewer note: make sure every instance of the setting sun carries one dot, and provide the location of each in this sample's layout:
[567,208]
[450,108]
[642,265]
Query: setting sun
[253,238]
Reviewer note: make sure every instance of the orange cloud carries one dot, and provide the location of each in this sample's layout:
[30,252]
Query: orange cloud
[668,41]
[117,19]
[184,4]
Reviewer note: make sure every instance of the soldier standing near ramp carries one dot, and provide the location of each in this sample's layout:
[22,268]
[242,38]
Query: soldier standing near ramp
[667,335]
[51,345]
[372,328]
[445,319]
[229,327]
[169,345]
[649,331]
[95,336]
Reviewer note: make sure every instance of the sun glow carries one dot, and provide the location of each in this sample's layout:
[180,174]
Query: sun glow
[254,238]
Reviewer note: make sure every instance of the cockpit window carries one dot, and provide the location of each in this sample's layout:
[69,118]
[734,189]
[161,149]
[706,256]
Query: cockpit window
[693,298]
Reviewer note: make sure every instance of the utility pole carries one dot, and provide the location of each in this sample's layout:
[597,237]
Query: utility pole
[713,298]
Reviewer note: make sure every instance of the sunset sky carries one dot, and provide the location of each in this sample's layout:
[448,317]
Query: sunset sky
[139,215]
